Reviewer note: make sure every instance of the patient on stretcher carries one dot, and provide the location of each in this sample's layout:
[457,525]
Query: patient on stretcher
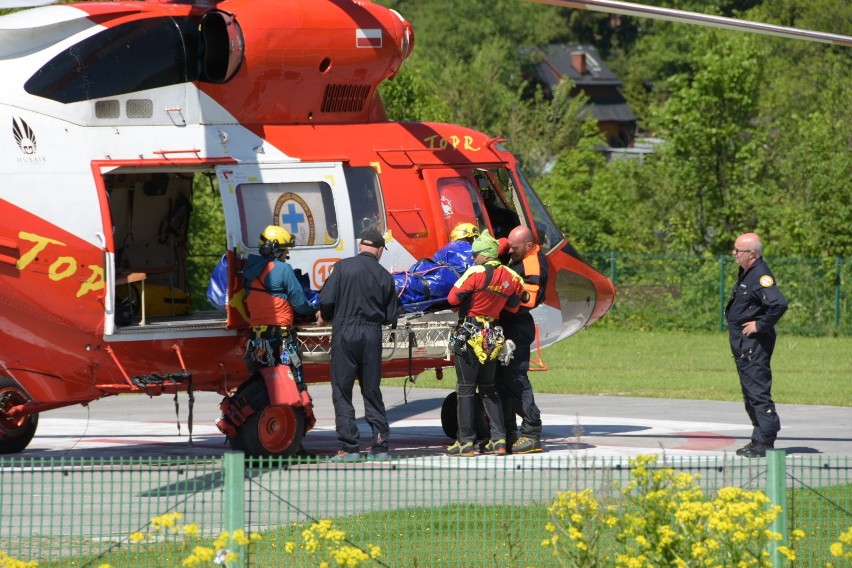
[426,284]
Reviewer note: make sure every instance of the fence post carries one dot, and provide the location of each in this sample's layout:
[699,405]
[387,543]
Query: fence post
[776,490]
[838,264]
[722,259]
[235,474]
[612,257]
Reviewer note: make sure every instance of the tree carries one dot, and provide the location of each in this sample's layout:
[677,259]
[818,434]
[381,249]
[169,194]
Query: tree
[714,161]
[812,213]
[408,97]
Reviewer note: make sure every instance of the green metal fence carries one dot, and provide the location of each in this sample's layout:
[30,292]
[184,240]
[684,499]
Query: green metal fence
[423,511]
[690,292]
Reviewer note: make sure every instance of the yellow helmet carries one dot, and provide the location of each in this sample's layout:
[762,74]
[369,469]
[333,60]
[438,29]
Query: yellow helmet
[273,239]
[464,231]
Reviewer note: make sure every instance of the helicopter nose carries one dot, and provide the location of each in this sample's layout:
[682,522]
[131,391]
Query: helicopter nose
[577,298]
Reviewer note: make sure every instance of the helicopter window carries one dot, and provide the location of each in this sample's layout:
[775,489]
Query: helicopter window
[549,234]
[460,203]
[305,209]
[501,201]
[365,196]
[139,55]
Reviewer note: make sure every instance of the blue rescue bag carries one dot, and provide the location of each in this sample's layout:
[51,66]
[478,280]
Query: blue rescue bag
[217,290]
[427,283]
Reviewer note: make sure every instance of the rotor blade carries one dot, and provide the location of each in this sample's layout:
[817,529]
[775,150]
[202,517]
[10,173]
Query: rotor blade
[655,13]
[10,4]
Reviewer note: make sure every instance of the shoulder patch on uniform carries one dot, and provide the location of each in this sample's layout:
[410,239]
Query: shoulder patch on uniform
[766,281]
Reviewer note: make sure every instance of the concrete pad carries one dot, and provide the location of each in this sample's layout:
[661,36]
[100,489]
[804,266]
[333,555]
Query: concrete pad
[580,426]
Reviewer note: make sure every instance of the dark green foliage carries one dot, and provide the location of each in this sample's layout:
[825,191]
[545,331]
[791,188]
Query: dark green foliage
[207,241]
[757,130]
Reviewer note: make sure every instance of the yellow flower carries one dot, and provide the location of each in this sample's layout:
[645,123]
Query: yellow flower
[222,540]
[239,537]
[165,521]
[190,529]
[290,547]
[204,553]
[136,537]
[789,553]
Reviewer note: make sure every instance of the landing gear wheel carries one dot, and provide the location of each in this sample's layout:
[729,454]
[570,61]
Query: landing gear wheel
[273,431]
[15,433]
[450,420]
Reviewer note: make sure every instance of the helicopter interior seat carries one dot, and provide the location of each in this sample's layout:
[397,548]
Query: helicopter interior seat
[150,217]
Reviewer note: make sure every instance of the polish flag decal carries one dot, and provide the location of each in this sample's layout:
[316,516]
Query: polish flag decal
[368,38]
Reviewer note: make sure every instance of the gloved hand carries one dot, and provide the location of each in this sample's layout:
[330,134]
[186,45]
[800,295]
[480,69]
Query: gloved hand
[507,353]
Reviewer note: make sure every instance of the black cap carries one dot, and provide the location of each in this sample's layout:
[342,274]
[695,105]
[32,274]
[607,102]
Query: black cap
[372,238]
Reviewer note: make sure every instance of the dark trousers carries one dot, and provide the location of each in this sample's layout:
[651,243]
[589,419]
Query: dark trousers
[753,355]
[513,384]
[356,350]
[471,373]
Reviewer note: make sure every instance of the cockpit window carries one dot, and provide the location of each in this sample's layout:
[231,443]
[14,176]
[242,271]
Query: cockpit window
[549,234]
[501,200]
[139,55]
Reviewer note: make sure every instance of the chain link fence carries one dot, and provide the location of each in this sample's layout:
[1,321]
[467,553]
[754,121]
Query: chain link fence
[421,511]
[690,292]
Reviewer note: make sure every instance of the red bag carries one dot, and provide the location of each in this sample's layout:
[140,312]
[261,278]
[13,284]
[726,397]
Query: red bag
[281,386]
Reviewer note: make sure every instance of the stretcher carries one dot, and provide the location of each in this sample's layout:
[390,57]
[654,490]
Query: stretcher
[418,336]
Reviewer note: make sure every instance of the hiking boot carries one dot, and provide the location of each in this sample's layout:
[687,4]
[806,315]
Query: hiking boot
[497,447]
[465,449]
[757,450]
[378,456]
[344,456]
[511,438]
[527,445]
[745,448]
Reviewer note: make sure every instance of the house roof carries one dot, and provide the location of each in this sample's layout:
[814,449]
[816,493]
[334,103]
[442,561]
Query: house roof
[557,63]
[560,60]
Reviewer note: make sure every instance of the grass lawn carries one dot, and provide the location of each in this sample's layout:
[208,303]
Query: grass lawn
[504,536]
[694,365]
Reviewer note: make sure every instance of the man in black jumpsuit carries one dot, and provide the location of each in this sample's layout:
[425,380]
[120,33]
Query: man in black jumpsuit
[358,297]
[755,306]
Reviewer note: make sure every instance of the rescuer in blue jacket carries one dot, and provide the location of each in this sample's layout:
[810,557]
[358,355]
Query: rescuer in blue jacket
[755,306]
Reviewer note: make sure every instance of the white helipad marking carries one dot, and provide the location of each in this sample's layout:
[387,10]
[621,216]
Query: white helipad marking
[577,436]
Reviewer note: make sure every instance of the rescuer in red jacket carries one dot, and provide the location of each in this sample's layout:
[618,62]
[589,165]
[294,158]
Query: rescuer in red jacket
[481,293]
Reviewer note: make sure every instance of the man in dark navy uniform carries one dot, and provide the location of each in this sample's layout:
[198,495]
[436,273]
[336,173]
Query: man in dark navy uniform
[358,297]
[755,306]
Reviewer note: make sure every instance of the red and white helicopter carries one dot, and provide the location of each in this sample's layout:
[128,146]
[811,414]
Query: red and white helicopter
[116,108]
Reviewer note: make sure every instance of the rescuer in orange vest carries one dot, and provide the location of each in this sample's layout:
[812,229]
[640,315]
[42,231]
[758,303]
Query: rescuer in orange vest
[513,384]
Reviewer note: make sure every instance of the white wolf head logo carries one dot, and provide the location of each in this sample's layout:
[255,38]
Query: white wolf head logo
[24,136]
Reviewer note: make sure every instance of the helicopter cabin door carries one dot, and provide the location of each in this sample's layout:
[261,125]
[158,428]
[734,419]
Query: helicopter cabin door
[310,201]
